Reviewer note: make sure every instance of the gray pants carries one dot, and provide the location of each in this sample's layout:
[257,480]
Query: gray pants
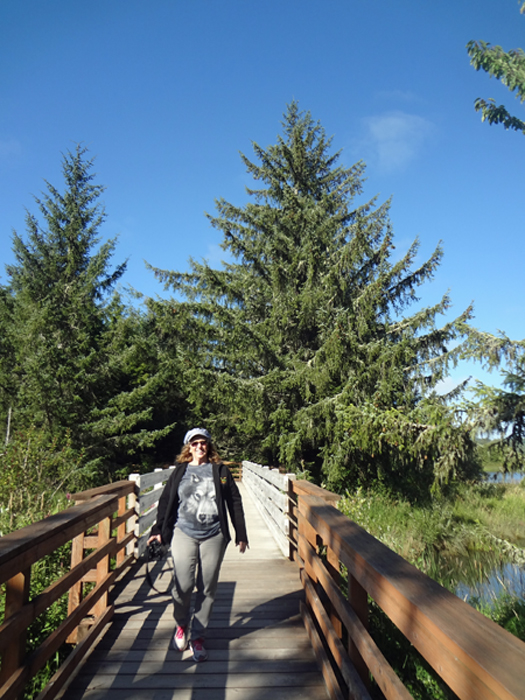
[195,562]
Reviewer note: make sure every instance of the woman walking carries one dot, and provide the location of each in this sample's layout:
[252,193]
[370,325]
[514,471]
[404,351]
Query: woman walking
[192,518]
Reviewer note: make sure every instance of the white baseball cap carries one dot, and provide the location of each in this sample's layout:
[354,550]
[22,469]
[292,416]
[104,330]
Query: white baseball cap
[194,432]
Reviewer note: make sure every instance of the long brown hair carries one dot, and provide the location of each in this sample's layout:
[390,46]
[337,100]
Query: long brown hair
[186,456]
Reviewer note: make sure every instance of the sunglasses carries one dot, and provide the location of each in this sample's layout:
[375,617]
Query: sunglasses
[199,443]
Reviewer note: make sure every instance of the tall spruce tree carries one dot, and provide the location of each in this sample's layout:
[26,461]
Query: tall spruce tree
[59,285]
[73,360]
[301,348]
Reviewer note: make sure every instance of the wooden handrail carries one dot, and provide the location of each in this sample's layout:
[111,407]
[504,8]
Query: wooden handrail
[123,488]
[475,657]
[236,469]
[306,488]
[107,516]
[24,547]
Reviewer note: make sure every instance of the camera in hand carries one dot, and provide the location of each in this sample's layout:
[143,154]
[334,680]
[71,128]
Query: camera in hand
[155,550]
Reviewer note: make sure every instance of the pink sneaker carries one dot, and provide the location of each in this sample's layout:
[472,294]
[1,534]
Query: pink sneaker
[180,639]
[199,652]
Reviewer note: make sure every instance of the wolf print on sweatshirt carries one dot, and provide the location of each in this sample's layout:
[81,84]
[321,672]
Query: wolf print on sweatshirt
[198,515]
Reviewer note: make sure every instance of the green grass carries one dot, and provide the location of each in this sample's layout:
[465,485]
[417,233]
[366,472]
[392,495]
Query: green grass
[480,521]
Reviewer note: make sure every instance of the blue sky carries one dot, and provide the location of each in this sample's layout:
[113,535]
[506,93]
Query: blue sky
[165,94]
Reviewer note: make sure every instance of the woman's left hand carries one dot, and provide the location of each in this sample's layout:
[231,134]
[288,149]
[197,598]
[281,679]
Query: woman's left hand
[243,546]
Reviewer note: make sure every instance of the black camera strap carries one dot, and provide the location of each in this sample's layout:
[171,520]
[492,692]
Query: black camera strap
[149,578]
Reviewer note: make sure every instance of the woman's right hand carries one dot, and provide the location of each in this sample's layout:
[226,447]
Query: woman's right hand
[155,537]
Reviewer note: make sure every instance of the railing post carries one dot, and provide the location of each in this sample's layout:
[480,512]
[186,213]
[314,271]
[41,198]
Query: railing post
[134,502]
[16,595]
[334,569]
[121,531]
[104,534]
[358,600]
[291,514]
[75,592]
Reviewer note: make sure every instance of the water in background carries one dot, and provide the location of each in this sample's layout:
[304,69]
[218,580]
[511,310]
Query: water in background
[500,478]
[508,579]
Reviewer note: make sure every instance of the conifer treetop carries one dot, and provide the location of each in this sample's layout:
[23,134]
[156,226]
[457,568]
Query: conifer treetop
[309,326]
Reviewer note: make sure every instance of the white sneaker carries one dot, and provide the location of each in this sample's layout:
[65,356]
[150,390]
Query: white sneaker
[180,639]
[199,652]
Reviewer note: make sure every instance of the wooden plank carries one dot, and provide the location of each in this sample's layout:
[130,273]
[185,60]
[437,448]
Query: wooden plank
[12,688]
[75,590]
[146,521]
[204,680]
[268,474]
[268,490]
[14,685]
[358,604]
[121,546]
[222,639]
[180,666]
[22,618]
[68,668]
[123,487]
[102,569]
[150,499]
[123,517]
[271,498]
[306,488]
[154,478]
[120,524]
[243,652]
[139,692]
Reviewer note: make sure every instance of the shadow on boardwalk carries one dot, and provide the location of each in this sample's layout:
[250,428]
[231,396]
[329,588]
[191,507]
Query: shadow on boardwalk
[258,648]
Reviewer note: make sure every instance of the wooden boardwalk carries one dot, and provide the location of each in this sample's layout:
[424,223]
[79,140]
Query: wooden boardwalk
[258,647]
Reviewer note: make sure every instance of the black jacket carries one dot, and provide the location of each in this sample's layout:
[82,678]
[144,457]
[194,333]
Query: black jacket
[227,494]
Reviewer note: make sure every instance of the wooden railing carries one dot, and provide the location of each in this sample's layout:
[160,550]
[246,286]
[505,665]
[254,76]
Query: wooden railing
[270,492]
[342,566]
[148,488]
[100,528]
[236,469]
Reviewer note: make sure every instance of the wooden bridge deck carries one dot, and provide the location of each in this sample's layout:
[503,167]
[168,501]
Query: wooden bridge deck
[258,647]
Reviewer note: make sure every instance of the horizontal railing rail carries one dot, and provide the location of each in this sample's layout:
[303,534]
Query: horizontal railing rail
[100,528]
